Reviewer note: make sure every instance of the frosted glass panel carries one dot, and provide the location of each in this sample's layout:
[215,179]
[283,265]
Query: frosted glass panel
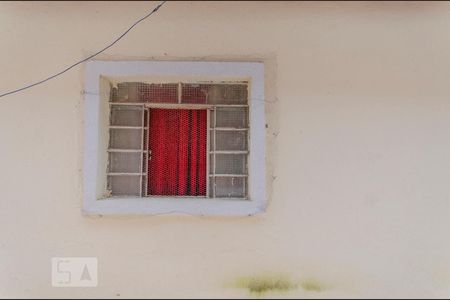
[235,117]
[194,93]
[230,187]
[124,185]
[211,139]
[211,164]
[214,93]
[231,164]
[124,162]
[211,118]
[143,92]
[125,139]
[126,115]
[231,140]
[227,94]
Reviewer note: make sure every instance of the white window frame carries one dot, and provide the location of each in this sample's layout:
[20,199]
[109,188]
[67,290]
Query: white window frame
[93,204]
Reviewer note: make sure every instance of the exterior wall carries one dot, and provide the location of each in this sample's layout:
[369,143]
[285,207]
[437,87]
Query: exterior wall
[358,116]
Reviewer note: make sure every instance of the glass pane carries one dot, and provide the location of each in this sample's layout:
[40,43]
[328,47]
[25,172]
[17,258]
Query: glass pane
[194,93]
[227,94]
[214,93]
[145,140]
[158,93]
[127,92]
[146,116]
[144,92]
[144,186]
[144,163]
[125,139]
[124,162]
[231,164]
[211,187]
[211,140]
[126,115]
[211,164]
[211,118]
[230,187]
[231,140]
[124,185]
[235,117]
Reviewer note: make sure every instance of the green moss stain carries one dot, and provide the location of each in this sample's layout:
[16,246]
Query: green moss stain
[262,284]
[266,283]
[312,285]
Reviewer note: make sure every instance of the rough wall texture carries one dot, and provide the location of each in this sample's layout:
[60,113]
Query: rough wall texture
[358,105]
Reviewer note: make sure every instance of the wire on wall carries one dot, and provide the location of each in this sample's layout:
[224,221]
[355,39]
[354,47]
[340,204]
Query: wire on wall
[89,57]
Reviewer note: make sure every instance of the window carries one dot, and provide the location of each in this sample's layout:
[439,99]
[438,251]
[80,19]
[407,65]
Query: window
[174,137]
[178,139]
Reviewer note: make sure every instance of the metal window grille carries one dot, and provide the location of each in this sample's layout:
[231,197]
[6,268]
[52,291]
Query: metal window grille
[131,129]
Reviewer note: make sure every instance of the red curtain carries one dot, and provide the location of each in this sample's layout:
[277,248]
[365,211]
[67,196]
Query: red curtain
[177,143]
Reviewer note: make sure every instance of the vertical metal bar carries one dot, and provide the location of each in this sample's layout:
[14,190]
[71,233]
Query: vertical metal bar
[214,154]
[245,179]
[247,158]
[142,151]
[208,150]
[179,92]
[147,151]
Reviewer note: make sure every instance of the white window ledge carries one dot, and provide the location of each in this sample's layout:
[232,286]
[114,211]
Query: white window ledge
[95,204]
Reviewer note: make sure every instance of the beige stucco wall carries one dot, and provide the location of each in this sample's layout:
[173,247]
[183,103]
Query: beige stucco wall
[358,108]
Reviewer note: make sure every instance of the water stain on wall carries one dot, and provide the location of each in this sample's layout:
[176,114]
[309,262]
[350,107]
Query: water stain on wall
[265,283]
[313,285]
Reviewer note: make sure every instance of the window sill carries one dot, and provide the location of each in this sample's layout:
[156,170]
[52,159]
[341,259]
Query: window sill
[173,205]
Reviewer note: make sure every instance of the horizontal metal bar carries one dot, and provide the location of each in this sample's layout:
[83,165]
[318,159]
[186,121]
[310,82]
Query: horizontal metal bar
[126,127]
[231,105]
[127,103]
[215,82]
[174,80]
[229,152]
[161,197]
[174,196]
[229,129]
[178,106]
[125,174]
[166,105]
[228,175]
[128,150]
